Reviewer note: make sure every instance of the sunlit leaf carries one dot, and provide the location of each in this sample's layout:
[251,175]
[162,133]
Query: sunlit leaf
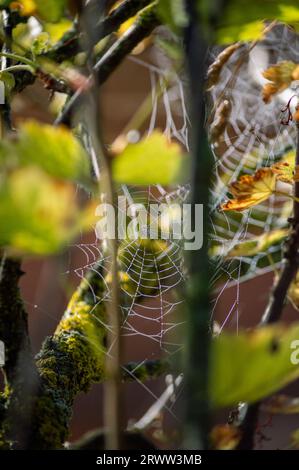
[49,10]
[150,161]
[243,20]
[251,190]
[57,30]
[172,13]
[9,82]
[40,213]
[280,76]
[56,150]
[253,246]
[252,365]
[41,43]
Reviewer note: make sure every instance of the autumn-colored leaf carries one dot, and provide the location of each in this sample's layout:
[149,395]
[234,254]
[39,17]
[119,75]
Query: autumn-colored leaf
[280,76]
[220,121]
[225,437]
[251,190]
[284,172]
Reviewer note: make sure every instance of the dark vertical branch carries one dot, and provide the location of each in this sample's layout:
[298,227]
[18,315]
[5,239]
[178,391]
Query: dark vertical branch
[275,306]
[112,395]
[197,407]
[19,368]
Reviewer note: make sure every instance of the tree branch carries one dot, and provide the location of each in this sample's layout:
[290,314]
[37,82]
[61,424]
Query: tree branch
[19,369]
[70,44]
[142,28]
[73,359]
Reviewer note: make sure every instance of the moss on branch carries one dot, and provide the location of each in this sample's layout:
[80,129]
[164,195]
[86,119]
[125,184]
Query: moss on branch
[69,362]
[73,359]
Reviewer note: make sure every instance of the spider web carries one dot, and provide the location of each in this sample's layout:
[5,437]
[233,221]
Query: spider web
[254,136]
[150,312]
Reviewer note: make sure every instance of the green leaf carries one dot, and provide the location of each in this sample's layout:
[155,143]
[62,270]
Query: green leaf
[51,10]
[39,214]
[243,20]
[9,82]
[41,43]
[56,30]
[152,160]
[172,13]
[56,150]
[252,246]
[252,365]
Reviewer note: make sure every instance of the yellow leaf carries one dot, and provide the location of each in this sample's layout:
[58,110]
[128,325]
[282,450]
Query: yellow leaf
[280,76]
[251,190]
[152,160]
[253,364]
[254,245]
[284,171]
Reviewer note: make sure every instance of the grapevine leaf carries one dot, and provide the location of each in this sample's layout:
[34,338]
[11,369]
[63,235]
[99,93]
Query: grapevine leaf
[56,150]
[280,76]
[40,213]
[252,365]
[251,190]
[253,246]
[152,160]
[244,21]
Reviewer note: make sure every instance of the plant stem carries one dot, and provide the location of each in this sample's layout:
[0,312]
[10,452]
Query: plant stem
[197,340]
[18,58]
[18,67]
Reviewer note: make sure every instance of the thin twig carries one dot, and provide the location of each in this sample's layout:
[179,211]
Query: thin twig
[153,412]
[70,44]
[142,28]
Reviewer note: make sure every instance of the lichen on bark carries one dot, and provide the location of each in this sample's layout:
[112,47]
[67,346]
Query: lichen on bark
[70,362]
